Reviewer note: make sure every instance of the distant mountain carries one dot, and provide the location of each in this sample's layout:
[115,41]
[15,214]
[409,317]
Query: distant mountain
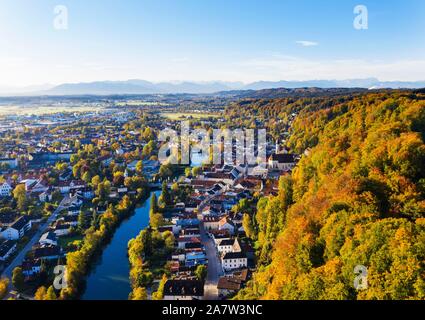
[9,90]
[369,83]
[139,87]
[145,87]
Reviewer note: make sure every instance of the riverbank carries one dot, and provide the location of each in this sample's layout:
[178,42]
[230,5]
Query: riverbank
[80,263]
[108,277]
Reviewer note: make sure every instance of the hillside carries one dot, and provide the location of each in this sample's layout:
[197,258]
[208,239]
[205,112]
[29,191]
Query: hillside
[356,198]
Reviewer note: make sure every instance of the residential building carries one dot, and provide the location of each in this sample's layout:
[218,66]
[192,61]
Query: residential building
[18,229]
[234,261]
[183,290]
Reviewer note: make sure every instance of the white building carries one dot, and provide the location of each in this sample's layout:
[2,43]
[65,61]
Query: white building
[282,161]
[234,260]
[18,229]
[49,238]
[5,190]
[229,245]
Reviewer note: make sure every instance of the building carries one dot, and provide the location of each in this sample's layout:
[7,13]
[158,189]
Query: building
[43,159]
[282,161]
[227,224]
[5,190]
[47,252]
[49,238]
[229,245]
[62,229]
[7,248]
[211,222]
[183,290]
[46,196]
[18,229]
[31,267]
[231,284]
[228,286]
[234,261]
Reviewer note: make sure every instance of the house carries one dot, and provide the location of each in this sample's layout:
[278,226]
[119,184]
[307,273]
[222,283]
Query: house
[66,187]
[234,261]
[62,229]
[49,238]
[183,290]
[211,222]
[74,210]
[229,245]
[226,223]
[195,258]
[5,190]
[220,235]
[71,220]
[228,286]
[282,161]
[46,196]
[18,229]
[87,193]
[6,249]
[31,267]
[38,187]
[47,252]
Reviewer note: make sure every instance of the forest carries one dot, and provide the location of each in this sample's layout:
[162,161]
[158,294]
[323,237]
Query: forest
[356,198]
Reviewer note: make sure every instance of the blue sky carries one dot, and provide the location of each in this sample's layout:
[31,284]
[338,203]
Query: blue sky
[205,40]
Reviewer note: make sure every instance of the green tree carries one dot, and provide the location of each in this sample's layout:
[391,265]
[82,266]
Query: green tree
[82,221]
[40,294]
[4,283]
[139,293]
[248,226]
[165,198]
[139,167]
[18,279]
[154,204]
[20,195]
[201,272]
[86,177]
[159,294]
[50,294]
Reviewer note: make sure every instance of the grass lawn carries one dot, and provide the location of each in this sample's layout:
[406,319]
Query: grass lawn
[183,115]
[64,241]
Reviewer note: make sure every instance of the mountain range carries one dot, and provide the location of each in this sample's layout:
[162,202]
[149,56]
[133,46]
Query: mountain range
[146,87]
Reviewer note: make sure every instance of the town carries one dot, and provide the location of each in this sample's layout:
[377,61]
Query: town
[68,176]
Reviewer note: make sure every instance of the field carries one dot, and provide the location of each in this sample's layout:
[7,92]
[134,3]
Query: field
[18,110]
[184,115]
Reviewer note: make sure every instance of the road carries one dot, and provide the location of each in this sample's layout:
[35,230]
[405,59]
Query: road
[214,267]
[17,261]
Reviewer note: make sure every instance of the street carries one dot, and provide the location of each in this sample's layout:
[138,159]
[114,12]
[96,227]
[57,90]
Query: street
[214,267]
[17,261]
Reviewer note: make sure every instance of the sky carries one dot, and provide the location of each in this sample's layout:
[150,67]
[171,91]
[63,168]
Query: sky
[208,40]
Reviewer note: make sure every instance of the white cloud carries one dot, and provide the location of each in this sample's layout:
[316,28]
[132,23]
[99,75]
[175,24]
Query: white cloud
[306,43]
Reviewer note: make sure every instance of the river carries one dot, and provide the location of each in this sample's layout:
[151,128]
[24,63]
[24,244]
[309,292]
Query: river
[109,277]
